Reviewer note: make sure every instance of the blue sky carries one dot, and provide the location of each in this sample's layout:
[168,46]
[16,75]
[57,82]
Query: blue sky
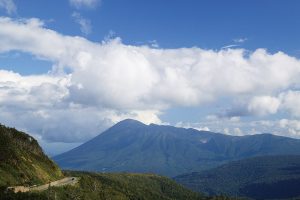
[72,68]
[212,24]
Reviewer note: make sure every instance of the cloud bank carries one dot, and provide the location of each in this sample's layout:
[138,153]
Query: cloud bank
[108,81]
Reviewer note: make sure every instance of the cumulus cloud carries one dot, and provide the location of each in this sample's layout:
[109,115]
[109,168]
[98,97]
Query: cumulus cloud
[291,102]
[150,75]
[85,24]
[263,105]
[288,101]
[39,105]
[84,3]
[292,126]
[109,81]
[9,6]
[37,91]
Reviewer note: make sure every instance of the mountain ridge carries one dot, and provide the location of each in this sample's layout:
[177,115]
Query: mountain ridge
[263,177]
[131,146]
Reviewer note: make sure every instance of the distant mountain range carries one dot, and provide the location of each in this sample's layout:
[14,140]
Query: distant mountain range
[267,177]
[131,146]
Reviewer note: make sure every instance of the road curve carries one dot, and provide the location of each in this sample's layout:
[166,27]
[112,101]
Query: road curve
[58,183]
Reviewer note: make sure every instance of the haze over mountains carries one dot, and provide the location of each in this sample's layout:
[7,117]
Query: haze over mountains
[132,146]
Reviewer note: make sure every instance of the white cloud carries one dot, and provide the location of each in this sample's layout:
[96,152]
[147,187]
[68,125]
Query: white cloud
[238,132]
[288,101]
[37,91]
[240,40]
[85,24]
[9,6]
[211,117]
[230,46]
[281,127]
[151,77]
[203,129]
[263,105]
[292,126]
[226,131]
[110,81]
[291,102]
[192,125]
[237,41]
[235,119]
[39,105]
[84,3]
[145,116]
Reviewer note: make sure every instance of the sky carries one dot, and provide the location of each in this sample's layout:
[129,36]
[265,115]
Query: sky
[70,69]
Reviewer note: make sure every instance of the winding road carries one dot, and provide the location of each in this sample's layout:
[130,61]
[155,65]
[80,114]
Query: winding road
[62,182]
[58,183]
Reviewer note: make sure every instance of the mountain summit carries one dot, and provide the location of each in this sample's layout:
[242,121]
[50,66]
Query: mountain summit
[132,146]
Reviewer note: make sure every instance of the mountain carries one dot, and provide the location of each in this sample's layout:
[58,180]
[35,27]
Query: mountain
[267,177]
[22,161]
[131,146]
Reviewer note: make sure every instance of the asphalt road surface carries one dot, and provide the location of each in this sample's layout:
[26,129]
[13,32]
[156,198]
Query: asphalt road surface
[58,183]
[62,182]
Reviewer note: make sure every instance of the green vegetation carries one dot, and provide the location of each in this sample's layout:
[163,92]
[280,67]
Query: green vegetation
[117,186]
[267,177]
[125,186]
[22,161]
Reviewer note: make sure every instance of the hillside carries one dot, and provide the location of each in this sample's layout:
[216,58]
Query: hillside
[131,146]
[127,186]
[267,177]
[123,186]
[22,161]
